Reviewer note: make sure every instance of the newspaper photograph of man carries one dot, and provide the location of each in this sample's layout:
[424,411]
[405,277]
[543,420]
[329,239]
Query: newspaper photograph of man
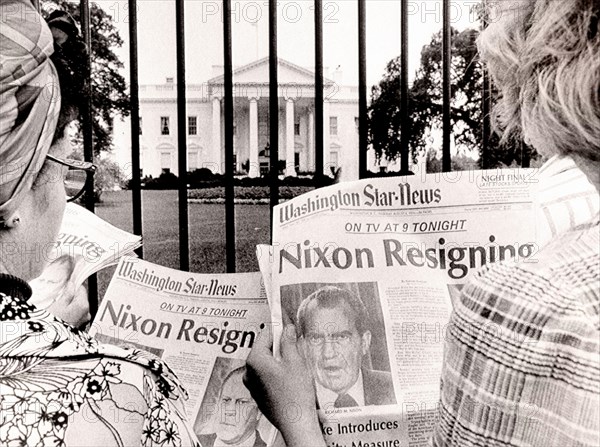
[53,281]
[337,334]
[232,415]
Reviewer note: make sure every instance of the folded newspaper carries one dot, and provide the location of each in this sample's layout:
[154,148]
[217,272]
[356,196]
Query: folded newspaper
[368,271]
[203,326]
[85,245]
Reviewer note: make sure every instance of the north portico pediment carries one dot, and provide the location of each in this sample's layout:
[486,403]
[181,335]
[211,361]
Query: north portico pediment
[257,73]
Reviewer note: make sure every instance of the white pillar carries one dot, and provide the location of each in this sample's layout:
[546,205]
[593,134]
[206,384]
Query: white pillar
[254,168]
[326,138]
[215,156]
[290,158]
[371,160]
[304,151]
[310,144]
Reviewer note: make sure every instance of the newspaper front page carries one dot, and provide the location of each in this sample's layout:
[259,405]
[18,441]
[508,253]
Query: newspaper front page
[368,271]
[85,245]
[203,326]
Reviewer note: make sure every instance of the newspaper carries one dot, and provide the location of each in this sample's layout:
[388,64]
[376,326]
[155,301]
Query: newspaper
[368,271]
[203,326]
[85,245]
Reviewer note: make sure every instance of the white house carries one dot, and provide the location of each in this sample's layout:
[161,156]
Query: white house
[205,123]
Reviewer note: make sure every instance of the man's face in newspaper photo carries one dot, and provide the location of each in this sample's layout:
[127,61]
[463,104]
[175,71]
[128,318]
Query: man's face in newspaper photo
[334,348]
[56,281]
[239,412]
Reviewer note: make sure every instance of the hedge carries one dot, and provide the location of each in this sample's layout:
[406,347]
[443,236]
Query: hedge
[245,194]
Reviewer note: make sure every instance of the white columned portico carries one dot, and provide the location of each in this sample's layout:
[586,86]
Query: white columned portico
[326,138]
[290,158]
[216,156]
[254,167]
[310,144]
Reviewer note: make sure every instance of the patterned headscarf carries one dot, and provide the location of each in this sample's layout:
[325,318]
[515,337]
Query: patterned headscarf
[29,100]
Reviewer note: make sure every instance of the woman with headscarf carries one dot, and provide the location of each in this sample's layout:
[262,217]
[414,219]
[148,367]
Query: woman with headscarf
[58,386]
[522,353]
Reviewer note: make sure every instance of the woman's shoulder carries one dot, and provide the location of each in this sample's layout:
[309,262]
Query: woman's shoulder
[550,307]
[523,346]
[62,386]
[561,278]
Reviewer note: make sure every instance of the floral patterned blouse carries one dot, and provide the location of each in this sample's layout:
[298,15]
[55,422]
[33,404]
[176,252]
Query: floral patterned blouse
[60,387]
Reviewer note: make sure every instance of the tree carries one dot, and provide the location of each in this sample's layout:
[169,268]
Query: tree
[460,162]
[109,95]
[107,177]
[426,104]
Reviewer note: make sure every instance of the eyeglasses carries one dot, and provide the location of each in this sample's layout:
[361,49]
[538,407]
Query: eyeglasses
[339,338]
[78,176]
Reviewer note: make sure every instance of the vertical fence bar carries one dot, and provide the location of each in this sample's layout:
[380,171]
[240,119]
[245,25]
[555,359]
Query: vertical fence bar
[229,161]
[486,124]
[86,108]
[273,111]
[525,155]
[88,136]
[485,103]
[362,90]
[319,143]
[136,188]
[404,115]
[184,245]
[447,93]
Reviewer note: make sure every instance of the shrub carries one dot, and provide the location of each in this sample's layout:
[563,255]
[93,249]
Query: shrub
[166,180]
[248,181]
[247,194]
[201,174]
[204,178]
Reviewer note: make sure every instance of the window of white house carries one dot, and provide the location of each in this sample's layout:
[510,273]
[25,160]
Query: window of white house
[296,129]
[140,126]
[356,123]
[164,125]
[192,125]
[333,125]
[165,162]
[192,160]
[333,159]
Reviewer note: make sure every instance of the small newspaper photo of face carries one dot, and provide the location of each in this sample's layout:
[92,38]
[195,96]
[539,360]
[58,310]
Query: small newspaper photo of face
[228,415]
[342,337]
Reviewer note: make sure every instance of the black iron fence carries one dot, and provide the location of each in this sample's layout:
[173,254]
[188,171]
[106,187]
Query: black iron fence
[362,27]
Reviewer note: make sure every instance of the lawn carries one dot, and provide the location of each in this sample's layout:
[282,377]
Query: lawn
[206,231]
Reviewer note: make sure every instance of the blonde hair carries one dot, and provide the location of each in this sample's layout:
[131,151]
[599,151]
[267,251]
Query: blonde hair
[545,59]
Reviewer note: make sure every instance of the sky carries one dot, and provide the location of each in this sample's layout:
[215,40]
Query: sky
[204,35]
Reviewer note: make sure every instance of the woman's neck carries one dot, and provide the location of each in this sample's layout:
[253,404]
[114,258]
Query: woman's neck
[590,168]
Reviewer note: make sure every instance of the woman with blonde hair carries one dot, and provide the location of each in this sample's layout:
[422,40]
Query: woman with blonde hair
[59,386]
[521,363]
